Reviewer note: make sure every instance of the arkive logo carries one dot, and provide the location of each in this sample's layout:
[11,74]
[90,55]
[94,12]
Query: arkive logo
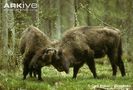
[20,6]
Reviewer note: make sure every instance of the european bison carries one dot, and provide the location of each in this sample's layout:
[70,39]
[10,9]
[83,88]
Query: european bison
[82,44]
[33,45]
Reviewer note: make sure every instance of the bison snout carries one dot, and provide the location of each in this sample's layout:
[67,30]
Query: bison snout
[67,71]
[60,70]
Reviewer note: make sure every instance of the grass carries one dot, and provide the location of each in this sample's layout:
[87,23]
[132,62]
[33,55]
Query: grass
[54,80]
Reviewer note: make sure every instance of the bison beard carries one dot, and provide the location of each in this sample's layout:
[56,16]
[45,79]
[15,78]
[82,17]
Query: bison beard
[32,45]
[82,44]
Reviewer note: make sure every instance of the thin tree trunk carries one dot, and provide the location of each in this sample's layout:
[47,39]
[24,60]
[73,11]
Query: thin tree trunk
[58,20]
[106,11]
[88,14]
[129,28]
[4,34]
[76,10]
[37,15]
[0,26]
[67,14]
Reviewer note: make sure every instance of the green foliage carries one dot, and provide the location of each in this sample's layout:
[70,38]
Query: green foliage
[53,17]
[48,15]
[54,80]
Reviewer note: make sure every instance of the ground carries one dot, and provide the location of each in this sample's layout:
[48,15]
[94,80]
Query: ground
[54,80]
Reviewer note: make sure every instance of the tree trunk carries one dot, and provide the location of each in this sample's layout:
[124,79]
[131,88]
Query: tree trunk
[76,2]
[129,29]
[4,34]
[58,20]
[37,15]
[1,26]
[67,14]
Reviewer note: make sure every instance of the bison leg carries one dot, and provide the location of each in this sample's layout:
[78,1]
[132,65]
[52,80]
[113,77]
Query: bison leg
[112,58]
[34,72]
[25,71]
[26,61]
[39,73]
[120,64]
[76,69]
[91,65]
[30,72]
[89,54]
[25,68]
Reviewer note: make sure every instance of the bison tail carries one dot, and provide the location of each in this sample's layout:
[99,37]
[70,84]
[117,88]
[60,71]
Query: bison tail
[120,49]
[120,62]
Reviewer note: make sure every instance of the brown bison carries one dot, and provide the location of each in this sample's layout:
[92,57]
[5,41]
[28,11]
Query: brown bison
[33,45]
[82,44]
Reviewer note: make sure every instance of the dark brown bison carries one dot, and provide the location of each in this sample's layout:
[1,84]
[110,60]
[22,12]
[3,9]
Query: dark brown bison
[33,45]
[82,44]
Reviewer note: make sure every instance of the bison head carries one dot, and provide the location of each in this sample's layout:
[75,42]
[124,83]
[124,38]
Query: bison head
[42,57]
[54,57]
[48,55]
[59,61]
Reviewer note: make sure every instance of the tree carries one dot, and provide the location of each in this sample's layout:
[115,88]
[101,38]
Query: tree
[4,34]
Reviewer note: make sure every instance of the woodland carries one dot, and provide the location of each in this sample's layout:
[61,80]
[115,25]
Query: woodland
[54,17]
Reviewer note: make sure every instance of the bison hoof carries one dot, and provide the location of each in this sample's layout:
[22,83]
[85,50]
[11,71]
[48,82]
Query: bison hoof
[73,77]
[23,78]
[123,75]
[96,77]
[40,79]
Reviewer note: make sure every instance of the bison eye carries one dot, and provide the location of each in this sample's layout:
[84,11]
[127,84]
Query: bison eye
[61,66]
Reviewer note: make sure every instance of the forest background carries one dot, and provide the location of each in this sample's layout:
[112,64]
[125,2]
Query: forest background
[53,17]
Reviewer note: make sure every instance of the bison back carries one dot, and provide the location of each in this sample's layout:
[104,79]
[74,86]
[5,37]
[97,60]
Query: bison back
[33,39]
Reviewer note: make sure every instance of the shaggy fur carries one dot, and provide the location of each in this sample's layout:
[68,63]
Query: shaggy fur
[82,44]
[32,45]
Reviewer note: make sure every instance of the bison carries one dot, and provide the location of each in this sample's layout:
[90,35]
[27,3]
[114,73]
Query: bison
[81,45]
[33,44]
